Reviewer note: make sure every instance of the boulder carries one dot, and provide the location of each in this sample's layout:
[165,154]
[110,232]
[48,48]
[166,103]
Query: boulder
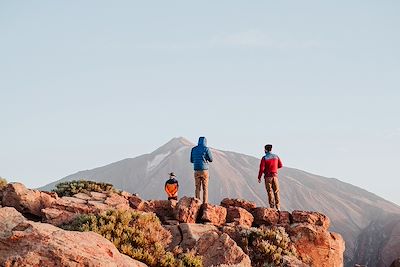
[187,209]
[239,216]
[176,236]
[312,217]
[27,243]
[316,246]
[25,200]
[236,202]
[214,214]
[117,201]
[284,218]
[265,216]
[234,232]
[191,232]
[65,209]
[135,202]
[164,209]
[220,250]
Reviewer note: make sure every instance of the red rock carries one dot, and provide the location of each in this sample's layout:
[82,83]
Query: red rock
[236,202]
[191,232]
[214,214]
[26,200]
[98,196]
[117,202]
[27,243]
[239,216]
[316,246]
[219,250]
[176,236]
[234,232]
[83,196]
[187,209]
[265,216]
[135,202]
[164,209]
[284,218]
[312,217]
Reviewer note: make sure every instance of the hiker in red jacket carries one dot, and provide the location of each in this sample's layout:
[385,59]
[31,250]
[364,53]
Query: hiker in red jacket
[269,166]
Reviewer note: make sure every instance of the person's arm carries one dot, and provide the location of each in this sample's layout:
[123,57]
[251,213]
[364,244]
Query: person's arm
[209,155]
[279,163]
[191,156]
[262,168]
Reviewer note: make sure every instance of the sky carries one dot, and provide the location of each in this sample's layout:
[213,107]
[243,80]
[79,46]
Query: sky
[87,83]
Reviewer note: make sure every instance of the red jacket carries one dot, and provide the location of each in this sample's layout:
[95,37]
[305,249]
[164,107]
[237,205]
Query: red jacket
[269,165]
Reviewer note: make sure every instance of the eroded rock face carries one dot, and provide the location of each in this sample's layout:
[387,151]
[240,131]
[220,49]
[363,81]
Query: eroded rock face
[221,250]
[27,243]
[164,209]
[236,202]
[187,209]
[65,209]
[316,246]
[192,232]
[265,216]
[311,217]
[214,214]
[25,200]
[239,216]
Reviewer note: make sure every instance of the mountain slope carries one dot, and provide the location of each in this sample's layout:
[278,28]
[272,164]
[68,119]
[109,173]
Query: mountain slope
[350,208]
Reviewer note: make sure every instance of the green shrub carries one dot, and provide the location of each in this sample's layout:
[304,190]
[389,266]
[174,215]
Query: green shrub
[3,182]
[138,235]
[267,245]
[71,188]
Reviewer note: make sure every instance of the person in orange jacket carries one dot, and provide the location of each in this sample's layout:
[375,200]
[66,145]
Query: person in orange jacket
[172,187]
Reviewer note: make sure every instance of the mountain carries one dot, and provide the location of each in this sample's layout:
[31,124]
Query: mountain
[350,208]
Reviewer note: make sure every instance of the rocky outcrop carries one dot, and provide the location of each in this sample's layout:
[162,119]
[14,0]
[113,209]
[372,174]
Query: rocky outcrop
[65,209]
[187,209]
[221,249]
[213,214]
[316,246]
[26,201]
[164,209]
[236,202]
[239,216]
[215,232]
[192,232]
[27,243]
[265,216]
[311,217]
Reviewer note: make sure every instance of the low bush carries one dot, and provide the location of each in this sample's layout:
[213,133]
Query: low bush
[71,188]
[138,235]
[3,182]
[267,245]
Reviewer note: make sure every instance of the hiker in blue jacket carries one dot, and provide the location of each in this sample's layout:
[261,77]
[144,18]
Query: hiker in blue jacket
[200,156]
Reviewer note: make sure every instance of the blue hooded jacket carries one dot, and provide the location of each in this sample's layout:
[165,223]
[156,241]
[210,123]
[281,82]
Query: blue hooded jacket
[201,155]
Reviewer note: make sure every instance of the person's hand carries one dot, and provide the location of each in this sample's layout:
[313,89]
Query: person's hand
[259,180]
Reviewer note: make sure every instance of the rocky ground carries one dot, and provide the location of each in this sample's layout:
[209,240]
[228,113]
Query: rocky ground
[29,235]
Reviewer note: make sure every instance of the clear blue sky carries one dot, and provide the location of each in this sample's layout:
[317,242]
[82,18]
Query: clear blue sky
[87,83]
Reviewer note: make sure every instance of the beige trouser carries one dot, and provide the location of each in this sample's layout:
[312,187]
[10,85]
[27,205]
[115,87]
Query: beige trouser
[201,180]
[272,186]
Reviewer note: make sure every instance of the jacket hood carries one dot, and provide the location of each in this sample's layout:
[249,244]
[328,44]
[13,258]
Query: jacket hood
[202,141]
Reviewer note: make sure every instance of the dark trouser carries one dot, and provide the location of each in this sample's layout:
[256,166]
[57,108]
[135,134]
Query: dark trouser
[272,186]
